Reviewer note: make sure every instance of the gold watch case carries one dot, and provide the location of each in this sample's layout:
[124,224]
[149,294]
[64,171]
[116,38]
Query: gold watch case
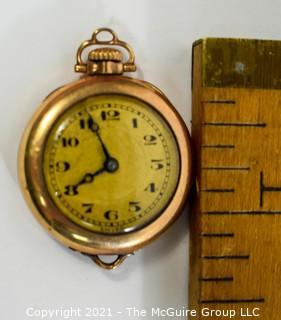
[103,77]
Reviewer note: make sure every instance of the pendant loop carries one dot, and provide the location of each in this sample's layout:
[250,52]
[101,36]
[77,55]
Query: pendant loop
[109,265]
[107,65]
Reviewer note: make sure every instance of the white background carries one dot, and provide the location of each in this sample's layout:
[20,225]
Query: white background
[38,45]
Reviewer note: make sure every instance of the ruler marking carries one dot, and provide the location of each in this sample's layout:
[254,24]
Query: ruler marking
[227,168]
[261,189]
[217,279]
[264,188]
[224,139]
[227,257]
[249,300]
[218,146]
[231,102]
[235,124]
[218,190]
[250,212]
[217,235]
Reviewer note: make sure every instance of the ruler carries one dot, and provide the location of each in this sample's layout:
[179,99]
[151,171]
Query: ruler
[235,261]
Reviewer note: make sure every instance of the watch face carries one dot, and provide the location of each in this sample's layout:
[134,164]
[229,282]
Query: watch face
[111,164]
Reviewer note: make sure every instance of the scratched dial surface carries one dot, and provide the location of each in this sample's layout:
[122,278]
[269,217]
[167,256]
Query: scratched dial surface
[111,164]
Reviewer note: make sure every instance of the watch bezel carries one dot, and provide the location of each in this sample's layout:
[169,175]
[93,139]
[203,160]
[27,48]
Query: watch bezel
[31,169]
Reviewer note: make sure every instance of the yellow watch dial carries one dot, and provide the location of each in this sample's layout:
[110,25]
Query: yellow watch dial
[111,164]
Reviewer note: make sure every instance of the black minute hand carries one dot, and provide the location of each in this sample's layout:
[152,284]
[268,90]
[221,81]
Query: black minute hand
[111,164]
[95,128]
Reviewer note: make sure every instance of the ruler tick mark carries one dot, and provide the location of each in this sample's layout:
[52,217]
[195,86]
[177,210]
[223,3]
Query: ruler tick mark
[234,124]
[227,168]
[218,279]
[222,301]
[246,212]
[217,235]
[228,257]
[264,188]
[219,146]
[219,102]
[218,190]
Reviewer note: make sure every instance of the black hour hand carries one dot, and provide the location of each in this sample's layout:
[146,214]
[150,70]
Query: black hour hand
[89,177]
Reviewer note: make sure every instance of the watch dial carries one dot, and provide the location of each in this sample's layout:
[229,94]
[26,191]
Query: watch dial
[111,164]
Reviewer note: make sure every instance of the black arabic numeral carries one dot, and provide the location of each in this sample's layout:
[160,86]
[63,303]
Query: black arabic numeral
[62,166]
[70,142]
[71,190]
[135,123]
[150,139]
[110,115]
[151,187]
[134,206]
[111,215]
[88,207]
[86,123]
[157,164]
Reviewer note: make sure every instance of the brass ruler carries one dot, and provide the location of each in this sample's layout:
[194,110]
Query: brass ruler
[236,220]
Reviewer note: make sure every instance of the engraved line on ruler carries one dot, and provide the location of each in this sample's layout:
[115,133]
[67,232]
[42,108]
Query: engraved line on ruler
[227,257]
[235,124]
[231,102]
[218,146]
[242,212]
[264,188]
[227,168]
[249,300]
[222,301]
[217,279]
[218,235]
[218,190]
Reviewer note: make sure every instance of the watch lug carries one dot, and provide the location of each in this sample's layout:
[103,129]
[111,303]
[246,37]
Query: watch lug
[110,265]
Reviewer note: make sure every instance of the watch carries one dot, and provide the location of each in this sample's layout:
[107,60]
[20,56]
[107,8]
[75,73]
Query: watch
[105,162]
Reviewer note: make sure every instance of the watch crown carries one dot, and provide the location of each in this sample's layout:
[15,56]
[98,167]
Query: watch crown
[105,54]
[105,60]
